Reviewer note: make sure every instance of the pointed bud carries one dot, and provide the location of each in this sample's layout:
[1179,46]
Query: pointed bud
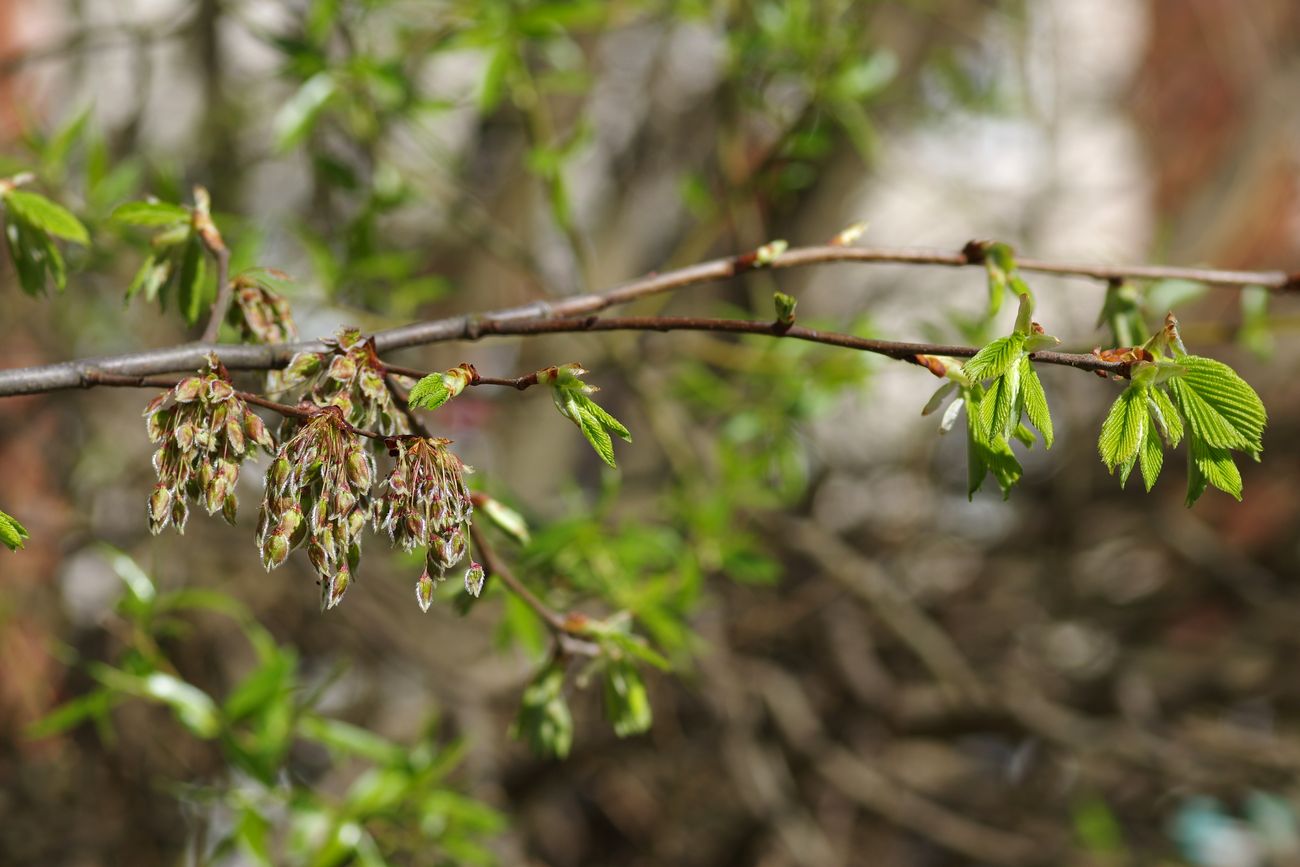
[358,467]
[214,495]
[334,589]
[278,474]
[187,390]
[235,434]
[184,435]
[302,366]
[180,514]
[255,430]
[424,591]
[219,390]
[229,508]
[342,369]
[159,508]
[275,551]
[371,383]
[474,579]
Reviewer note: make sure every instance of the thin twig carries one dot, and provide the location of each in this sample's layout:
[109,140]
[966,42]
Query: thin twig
[225,292]
[263,357]
[516,382]
[566,628]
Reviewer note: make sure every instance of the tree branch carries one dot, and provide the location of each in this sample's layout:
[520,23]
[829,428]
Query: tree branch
[262,357]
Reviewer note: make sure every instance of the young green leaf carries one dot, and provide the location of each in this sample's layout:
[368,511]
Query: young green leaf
[45,215]
[571,396]
[12,533]
[429,393]
[1229,396]
[999,409]
[1206,422]
[1165,416]
[996,357]
[1035,401]
[1124,428]
[1213,465]
[1151,458]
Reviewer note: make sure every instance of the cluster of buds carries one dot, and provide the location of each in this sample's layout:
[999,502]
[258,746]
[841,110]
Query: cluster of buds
[318,494]
[426,504]
[261,314]
[204,431]
[351,377]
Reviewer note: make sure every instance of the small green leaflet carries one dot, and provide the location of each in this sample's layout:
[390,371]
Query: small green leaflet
[429,393]
[572,399]
[1034,400]
[1124,429]
[12,533]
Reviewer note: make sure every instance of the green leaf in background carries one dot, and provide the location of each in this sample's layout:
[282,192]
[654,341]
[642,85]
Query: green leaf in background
[544,721]
[150,213]
[41,213]
[191,291]
[627,707]
[12,533]
[297,117]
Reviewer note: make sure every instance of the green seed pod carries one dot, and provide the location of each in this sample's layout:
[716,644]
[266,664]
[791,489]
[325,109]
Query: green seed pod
[334,589]
[229,509]
[219,390]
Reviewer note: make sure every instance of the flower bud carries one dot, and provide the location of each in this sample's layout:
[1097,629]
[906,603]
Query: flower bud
[371,383]
[229,508]
[278,474]
[474,579]
[180,514]
[235,434]
[184,435]
[424,591]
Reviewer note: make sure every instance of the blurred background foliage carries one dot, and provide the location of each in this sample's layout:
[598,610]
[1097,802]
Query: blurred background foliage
[862,667]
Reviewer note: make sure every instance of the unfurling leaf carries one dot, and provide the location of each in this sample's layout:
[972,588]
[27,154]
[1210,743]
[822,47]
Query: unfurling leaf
[572,399]
[996,357]
[436,389]
[1035,401]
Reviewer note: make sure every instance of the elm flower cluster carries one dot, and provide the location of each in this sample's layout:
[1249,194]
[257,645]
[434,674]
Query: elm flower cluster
[205,431]
[351,377]
[262,314]
[426,504]
[318,494]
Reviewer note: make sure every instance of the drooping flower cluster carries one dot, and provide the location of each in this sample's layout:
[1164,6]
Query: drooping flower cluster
[426,504]
[351,377]
[205,431]
[318,494]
